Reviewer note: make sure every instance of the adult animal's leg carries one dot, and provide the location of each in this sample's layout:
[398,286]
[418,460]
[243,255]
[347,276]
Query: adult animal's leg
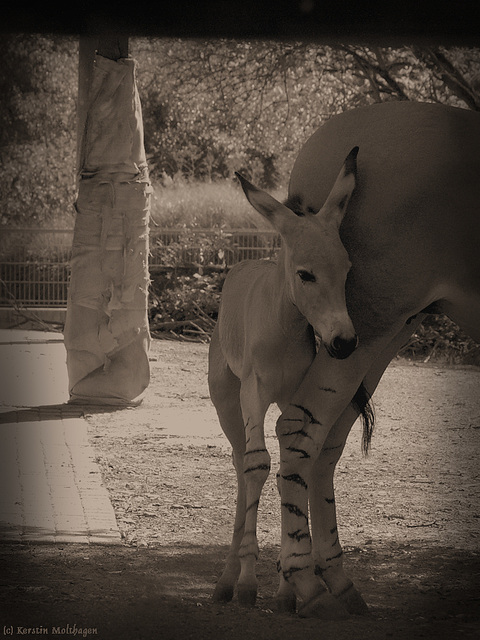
[327,550]
[302,429]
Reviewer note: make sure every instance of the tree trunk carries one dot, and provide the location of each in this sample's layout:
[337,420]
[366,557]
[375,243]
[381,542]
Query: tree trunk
[106,331]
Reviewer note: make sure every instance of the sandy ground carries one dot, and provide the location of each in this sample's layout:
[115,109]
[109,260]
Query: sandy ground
[408,517]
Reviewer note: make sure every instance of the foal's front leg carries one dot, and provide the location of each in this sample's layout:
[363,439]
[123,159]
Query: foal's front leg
[256,467]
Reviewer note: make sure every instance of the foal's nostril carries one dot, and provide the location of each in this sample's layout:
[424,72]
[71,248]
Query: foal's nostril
[341,348]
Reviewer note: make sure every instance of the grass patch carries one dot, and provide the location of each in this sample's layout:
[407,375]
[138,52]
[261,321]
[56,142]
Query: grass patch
[205,206]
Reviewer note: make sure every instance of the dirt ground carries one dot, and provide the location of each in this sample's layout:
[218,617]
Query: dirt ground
[408,517]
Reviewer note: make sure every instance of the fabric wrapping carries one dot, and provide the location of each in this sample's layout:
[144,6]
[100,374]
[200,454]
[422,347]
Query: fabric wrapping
[106,330]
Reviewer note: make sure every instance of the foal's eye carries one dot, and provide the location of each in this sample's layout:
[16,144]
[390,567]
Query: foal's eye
[305,276]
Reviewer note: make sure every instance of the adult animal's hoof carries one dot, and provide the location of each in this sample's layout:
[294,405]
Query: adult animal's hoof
[222,593]
[247,596]
[286,603]
[324,606]
[353,602]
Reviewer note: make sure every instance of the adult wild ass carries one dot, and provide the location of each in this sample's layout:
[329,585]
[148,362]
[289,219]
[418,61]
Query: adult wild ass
[411,231]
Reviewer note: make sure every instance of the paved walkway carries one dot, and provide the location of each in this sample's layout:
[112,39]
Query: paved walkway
[50,486]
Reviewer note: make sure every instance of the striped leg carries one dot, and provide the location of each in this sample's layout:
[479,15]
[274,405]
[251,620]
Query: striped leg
[327,550]
[241,409]
[256,467]
[226,584]
[302,430]
[285,598]
[225,394]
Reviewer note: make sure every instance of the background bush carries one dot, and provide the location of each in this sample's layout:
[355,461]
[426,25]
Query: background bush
[184,303]
[192,302]
[210,108]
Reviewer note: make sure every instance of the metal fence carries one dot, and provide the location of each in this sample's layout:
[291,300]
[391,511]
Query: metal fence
[34,263]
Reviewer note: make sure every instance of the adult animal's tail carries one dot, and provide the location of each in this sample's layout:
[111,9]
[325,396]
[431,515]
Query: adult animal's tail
[362,402]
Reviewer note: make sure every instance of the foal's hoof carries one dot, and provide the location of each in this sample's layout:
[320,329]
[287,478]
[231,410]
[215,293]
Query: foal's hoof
[353,602]
[286,604]
[324,606]
[222,593]
[247,596]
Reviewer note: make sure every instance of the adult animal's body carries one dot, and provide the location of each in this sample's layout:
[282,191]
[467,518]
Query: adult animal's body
[412,232]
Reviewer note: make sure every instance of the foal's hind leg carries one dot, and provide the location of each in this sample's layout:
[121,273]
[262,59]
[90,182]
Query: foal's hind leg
[225,395]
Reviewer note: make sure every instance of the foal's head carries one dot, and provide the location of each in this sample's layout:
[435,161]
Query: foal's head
[316,263]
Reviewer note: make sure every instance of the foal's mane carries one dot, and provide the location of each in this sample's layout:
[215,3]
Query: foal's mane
[295,203]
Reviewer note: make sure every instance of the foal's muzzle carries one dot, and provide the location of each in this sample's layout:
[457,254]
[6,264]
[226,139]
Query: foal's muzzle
[341,348]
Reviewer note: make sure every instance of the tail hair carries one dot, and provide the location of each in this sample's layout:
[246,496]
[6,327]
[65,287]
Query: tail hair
[362,402]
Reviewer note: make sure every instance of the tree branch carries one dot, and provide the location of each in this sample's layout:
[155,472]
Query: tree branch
[437,62]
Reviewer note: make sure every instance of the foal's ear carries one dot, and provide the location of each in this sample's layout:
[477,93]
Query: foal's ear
[279,216]
[339,197]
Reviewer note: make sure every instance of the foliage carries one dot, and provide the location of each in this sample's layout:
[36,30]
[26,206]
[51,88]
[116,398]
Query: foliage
[186,248]
[192,301]
[438,338]
[237,105]
[182,297]
[421,73]
[38,82]
[205,206]
[188,307]
[210,107]
[249,105]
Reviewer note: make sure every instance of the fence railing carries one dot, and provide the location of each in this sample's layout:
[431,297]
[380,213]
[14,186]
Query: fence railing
[34,263]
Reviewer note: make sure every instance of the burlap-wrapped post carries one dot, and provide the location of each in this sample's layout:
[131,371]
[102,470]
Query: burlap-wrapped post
[106,330]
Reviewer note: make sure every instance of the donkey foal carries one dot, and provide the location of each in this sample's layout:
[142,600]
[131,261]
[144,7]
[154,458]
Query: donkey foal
[264,343]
